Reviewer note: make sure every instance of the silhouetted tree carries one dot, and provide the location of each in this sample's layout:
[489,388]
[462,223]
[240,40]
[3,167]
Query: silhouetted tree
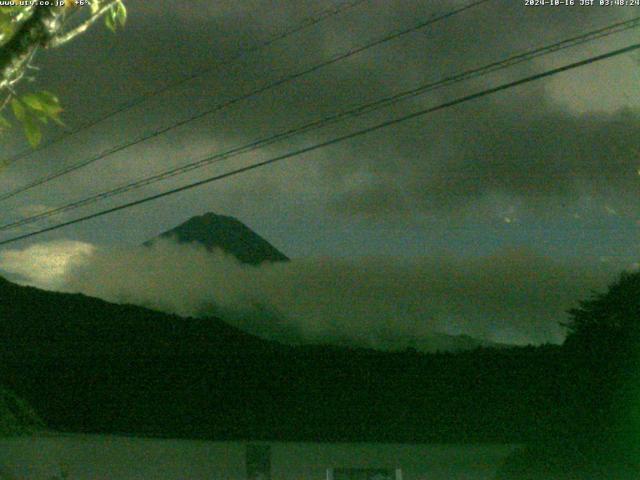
[599,435]
[604,338]
[608,323]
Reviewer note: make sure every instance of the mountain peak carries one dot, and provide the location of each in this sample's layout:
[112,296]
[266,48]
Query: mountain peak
[227,233]
[213,217]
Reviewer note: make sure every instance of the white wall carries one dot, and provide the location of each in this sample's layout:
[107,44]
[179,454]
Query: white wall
[93,457]
[428,462]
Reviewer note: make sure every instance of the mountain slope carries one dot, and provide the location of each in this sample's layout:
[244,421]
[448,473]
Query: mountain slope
[227,234]
[86,365]
[34,321]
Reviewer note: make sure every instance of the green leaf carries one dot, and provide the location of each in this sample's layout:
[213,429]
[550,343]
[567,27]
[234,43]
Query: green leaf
[110,21]
[45,102]
[40,116]
[48,98]
[31,99]
[4,123]
[34,109]
[44,106]
[5,19]
[56,119]
[15,9]
[121,14]
[32,131]
[116,16]
[18,110]
[7,30]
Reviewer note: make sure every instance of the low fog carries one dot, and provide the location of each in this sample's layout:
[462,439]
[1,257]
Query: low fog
[514,297]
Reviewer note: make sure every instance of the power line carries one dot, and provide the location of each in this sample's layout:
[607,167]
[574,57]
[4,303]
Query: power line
[354,112]
[281,81]
[349,136]
[303,25]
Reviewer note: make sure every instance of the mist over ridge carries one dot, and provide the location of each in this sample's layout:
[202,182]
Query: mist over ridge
[428,303]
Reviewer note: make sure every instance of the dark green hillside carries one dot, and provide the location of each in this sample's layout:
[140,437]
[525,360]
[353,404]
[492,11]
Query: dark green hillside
[40,323]
[88,365]
[16,417]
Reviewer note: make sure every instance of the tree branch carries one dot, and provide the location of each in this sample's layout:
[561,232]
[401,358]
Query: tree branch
[37,31]
[5,102]
[63,38]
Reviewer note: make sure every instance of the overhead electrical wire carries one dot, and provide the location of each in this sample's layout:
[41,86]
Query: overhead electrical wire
[301,26]
[281,81]
[336,140]
[323,122]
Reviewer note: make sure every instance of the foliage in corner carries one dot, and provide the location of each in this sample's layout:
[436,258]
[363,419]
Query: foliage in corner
[26,28]
[33,110]
[117,17]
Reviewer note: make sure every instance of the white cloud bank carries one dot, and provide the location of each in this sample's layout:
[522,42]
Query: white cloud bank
[514,297]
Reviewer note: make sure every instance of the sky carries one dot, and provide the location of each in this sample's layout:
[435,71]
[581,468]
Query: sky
[549,170]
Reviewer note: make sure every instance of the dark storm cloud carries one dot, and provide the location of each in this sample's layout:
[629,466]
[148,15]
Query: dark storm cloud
[550,159]
[530,152]
[522,149]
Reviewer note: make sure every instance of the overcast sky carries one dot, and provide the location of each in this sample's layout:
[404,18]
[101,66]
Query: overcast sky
[551,168]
